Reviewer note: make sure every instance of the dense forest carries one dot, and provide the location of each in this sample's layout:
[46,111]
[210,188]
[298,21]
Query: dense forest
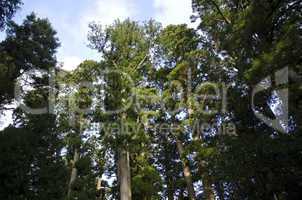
[167,112]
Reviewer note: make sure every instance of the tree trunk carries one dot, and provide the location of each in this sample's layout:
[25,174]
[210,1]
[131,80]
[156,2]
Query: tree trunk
[74,172]
[186,170]
[207,183]
[170,190]
[124,175]
[100,189]
[208,191]
[220,190]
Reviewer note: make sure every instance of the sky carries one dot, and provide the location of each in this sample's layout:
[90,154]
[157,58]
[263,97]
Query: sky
[70,19]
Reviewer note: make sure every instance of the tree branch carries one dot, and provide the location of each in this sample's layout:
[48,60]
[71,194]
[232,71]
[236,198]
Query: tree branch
[228,21]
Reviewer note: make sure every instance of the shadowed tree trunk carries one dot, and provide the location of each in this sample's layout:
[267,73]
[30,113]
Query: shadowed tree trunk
[100,188]
[208,191]
[207,183]
[124,175]
[186,170]
[74,172]
[220,190]
[170,190]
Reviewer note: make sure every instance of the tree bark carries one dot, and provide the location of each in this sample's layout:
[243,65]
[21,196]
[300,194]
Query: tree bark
[124,175]
[186,170]
[220,190]
[170,190]
[207,183]
[208,191]
[100,189]
[74,172]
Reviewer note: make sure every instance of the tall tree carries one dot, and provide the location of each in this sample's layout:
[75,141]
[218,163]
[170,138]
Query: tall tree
[36,139]
[179,47]
[125,49]
[253,40]
[81,144]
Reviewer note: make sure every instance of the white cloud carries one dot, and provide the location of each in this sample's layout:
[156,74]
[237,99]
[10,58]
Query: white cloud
[71,62]
[105,12]
[173,11]
[100,11]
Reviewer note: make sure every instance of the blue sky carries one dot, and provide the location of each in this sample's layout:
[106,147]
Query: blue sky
[70,19]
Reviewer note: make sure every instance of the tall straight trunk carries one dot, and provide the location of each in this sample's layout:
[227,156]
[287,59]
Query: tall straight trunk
[124,175]
[185,163]
[74,172]
[220,190]
[208,190]
[100,189]
[186,170]
[170,190]
[207,183]
[205,178]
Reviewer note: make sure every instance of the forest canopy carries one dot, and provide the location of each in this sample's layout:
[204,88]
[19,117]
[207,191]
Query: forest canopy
[165,112]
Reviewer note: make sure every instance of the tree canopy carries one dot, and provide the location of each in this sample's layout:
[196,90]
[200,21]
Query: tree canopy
[166,112]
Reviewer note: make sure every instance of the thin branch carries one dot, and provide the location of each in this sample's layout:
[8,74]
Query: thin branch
[274,8]
[228,21]
[5,108]
[140,63]
[114,63]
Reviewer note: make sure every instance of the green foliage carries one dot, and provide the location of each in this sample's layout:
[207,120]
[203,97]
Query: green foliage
[146,183]
[255,38]
[146,71]
[7,11]
[29,46]
[31,167]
